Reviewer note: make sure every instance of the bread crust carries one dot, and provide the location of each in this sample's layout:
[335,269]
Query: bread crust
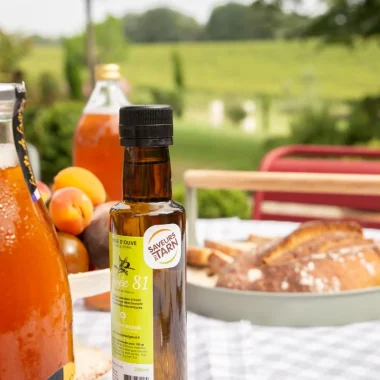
[305,232]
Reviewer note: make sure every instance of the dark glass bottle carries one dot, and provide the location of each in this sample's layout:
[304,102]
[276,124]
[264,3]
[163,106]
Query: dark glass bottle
[147,250]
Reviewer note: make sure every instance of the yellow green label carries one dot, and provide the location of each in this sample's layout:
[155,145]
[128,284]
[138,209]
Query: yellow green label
[131,309]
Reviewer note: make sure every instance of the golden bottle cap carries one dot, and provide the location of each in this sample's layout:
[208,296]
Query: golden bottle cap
[110,71]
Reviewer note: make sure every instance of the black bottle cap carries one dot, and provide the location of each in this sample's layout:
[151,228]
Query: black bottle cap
[146,126]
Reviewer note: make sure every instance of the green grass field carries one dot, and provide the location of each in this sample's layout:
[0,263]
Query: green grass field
[202,147]
[235,70]
[244,68]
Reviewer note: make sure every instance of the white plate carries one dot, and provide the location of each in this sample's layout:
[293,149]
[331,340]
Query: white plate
[277,309]
[89,284]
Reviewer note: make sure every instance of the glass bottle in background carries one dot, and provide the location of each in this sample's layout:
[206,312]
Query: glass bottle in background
[36,339]
[147,252]
[96,141]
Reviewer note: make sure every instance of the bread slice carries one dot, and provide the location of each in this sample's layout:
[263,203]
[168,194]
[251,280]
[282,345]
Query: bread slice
[259,239]
[198,257]
[232,249]
[216,261]
[219,259]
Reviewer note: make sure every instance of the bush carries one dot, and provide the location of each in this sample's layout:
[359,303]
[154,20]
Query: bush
[51,130]
[219,203]
[236,113]
[374,143]
[317,127]
[49,88]
[73,65]
[173,98]
[273,142]
[321,126]
[178,71]
[364,121]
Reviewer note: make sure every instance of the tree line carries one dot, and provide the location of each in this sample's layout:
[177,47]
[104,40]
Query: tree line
[344,21]
[233,21]
[261,20]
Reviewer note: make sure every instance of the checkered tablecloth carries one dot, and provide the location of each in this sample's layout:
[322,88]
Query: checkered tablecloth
[240,351]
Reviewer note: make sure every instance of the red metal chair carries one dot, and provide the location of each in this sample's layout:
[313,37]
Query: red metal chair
[320,159]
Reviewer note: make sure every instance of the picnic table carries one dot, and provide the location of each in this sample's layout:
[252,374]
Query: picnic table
[219,350]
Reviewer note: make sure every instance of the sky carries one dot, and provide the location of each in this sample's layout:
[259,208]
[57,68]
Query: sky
[54,18]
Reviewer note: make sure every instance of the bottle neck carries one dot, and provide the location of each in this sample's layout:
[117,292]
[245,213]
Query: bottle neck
[8,153]
[6,133]
[107,96]
[147,175]
[7,104]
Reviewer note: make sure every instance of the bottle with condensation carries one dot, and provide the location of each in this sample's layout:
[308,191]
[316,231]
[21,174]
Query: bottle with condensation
[36,339]
[96,141]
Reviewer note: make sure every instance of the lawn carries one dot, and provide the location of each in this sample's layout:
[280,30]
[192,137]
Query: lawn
[41,59]
[229,70]
[244,68]
[202,147]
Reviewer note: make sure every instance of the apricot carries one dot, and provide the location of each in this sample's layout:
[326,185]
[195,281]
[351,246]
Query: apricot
[71,210]
[74,253]
[44,191]
[82,179]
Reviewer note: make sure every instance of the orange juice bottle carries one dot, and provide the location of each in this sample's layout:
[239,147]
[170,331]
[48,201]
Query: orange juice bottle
[36,339]
[96,141]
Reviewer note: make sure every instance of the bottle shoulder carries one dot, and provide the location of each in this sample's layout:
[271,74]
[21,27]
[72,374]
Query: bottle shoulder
[107,97]
[147,208]
[178,206]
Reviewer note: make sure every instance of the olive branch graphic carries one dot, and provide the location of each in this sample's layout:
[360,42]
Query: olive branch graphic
[124,266]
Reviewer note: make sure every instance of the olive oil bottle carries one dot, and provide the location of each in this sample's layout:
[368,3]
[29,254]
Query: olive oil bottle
[147,253]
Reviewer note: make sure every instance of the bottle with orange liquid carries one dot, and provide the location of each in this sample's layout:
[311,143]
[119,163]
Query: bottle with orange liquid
[96,141]
[36,339]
